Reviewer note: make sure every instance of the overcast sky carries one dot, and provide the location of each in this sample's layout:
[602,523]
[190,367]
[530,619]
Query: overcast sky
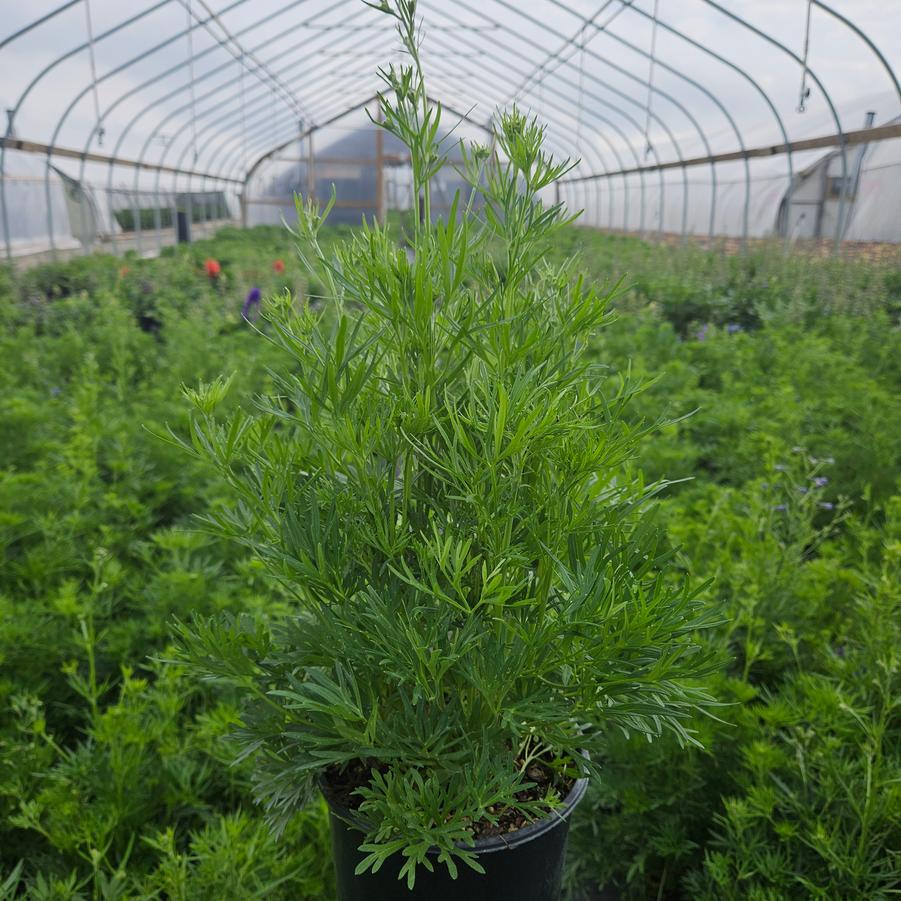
[306,60]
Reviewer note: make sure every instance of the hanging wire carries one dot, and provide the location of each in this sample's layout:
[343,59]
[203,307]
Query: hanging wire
[541,89]
[190,34]
[581,83]
[243,114]
[653,59]
[100,129]
[805,90]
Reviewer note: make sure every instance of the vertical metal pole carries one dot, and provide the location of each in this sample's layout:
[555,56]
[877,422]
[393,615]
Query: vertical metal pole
[173,213]
[47,197]
[380,213]
[7,237]
[136,212]
[207,203]
[311,180]
[158,220]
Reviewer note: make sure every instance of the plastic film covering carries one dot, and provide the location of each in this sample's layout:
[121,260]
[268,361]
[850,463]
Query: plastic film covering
[133,113]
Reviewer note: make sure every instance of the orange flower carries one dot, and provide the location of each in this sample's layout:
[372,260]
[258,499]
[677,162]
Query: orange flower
[279,266]
[212,268]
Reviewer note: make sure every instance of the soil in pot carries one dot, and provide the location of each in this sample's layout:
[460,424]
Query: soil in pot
[523,861]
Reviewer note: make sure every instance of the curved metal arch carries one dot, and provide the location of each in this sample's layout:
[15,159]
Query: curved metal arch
[214,177]
[318,126]
[273,85]
[618,110]
[633,101]
[278,148]
[553,142]
[185,63]
[224,86]
[341,77]
[348,105]
[865,38]
[598,134]
[838,125]
[689,80]
[14,111]
[88,88]
[221,137]
[80,48]
[339,93]
[604,102]
[182,65]
[36,23]
[172,113]
[235,170]
[243,54]
[551,118]
[538,74]
[127,129]
[741,72]
[229,137]
[504,75]
[260,161]
[300,46]
[222,149]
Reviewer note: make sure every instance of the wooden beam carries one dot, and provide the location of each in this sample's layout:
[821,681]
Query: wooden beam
[366,204]
[848,139]
[68,153]
[388,158]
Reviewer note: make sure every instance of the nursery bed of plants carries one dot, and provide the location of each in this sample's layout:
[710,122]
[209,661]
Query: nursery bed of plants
[776,381]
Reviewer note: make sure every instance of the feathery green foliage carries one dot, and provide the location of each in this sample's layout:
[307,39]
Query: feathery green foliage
[441,477]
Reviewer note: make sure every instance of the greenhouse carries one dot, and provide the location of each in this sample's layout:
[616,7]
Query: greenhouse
[450,450]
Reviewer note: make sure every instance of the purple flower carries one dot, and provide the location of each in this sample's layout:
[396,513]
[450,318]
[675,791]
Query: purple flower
[820,481]
[252,300]
[702,333]
[803,490]
[733,327]
[827,506]
[778,506]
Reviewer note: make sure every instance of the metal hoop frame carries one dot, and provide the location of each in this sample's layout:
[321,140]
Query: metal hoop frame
[285,97]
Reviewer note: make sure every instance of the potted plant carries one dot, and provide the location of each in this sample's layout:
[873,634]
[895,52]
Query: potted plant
[441,478]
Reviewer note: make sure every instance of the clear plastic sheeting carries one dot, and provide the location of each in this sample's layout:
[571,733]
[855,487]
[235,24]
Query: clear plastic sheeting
[27,200]
[669,109]
[876,215]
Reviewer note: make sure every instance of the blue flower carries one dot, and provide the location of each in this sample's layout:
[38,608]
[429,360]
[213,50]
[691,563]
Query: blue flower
[779,506]
[733,327]
[820,481]
[252,300]
[825,505]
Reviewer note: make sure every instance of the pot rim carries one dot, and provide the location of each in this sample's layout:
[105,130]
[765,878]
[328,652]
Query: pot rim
[488,844]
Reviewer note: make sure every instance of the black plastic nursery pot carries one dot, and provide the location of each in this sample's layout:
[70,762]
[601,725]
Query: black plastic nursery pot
[526,865]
